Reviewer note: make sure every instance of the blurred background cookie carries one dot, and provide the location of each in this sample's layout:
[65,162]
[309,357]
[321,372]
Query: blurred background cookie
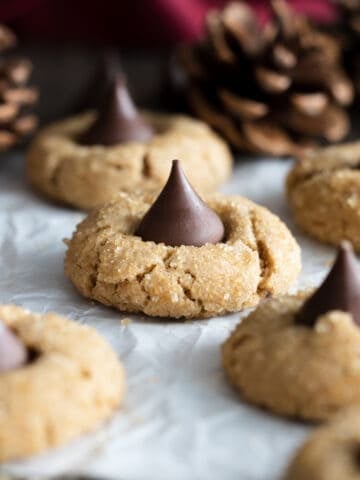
[87,159]
[323,189]
[331,452]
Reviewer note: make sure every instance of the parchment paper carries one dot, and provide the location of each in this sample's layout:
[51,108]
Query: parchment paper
[181,419]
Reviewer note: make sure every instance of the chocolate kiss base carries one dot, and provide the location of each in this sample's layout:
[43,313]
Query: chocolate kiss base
[179,216]
[339,291]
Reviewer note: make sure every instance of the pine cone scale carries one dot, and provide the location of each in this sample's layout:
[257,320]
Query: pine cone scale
[23,95]
[8,112]
[283,57]
[17,71]
[246,108]
[239,23]
[309,104]
[7,140]
[25,124]
[272,82]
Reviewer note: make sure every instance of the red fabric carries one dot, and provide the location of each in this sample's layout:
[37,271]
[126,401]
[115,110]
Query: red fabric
[143,23]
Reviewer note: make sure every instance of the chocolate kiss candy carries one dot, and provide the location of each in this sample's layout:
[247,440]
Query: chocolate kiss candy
[118,120]
[179,216]
[108,66]
[13,353]
[339,291]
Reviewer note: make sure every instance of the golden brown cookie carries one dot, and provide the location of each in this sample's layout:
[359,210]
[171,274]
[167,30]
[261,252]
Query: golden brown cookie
[106,262]
[292,369]
[332,452]
[73,383]
[323,189]
[87,176]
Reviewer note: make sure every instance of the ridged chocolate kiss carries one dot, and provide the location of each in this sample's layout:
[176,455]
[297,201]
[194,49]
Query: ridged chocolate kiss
[179,216]
[339,291]
[13,353]
[118,120]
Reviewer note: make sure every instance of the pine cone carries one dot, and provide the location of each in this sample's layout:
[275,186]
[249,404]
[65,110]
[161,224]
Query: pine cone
[16,121]
[349,30]
[275,90]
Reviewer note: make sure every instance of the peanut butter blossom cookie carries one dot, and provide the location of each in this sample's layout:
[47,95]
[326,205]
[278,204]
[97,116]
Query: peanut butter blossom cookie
[178,256]
[58,380]
[299,356]
[323,189]
[85,160]
[332,452]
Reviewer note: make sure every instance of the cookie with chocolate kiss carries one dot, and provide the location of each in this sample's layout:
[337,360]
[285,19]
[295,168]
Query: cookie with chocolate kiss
[72,381]
[87,159]
[180,256]
[179,216]
[118,120]
[298,355]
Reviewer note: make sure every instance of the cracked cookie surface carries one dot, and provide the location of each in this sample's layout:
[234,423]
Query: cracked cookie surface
[74,382]
[292,369]
[89,176]
[106,262]
[323,189]
[331,452]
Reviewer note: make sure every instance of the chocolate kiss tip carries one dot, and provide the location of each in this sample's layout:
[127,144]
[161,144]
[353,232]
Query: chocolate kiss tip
[179,216]
[13,353]
[118,120]
[339,291]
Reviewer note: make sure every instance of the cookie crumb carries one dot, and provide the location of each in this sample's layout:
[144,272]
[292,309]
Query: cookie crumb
[175,297]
